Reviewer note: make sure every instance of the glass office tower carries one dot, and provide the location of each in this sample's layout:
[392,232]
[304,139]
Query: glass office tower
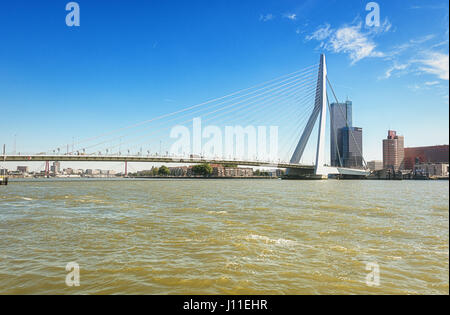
[340,117]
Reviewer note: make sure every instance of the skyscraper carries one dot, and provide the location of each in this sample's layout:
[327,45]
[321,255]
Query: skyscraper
[393,151]
[340,117]
[352,147]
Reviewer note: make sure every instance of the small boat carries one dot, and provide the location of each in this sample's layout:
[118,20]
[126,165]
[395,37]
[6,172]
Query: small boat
[3,180]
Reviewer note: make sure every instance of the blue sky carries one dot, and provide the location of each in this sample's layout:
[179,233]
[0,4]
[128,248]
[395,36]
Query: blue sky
[133,60]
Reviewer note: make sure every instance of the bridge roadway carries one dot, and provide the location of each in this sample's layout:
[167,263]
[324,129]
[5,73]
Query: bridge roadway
[298,169]
[150,159]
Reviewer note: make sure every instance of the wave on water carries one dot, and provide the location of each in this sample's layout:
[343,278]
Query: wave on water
[267,240]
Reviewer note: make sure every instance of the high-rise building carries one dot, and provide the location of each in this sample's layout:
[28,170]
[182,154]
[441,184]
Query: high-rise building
[352,147]
[345,140]
[340,117]
[393,151]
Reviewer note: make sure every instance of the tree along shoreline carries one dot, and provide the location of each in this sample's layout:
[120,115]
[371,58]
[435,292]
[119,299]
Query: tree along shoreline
[197,171]
[203,177]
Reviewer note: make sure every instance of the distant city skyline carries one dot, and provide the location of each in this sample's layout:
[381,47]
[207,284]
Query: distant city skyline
[59,84]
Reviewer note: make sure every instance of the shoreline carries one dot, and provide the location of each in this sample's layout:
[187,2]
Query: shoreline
[164,178]
[86,179]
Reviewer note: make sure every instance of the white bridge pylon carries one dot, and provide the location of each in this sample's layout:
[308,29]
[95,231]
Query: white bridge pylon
[320,109]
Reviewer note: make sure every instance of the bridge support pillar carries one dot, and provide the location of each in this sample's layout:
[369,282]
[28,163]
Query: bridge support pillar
[320,110]
[126,169]
[47,168]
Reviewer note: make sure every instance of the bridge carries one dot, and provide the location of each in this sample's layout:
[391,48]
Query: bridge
[306,169]
[295,89]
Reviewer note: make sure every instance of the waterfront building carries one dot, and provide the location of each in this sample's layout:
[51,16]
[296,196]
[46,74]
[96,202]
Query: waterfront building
[280,172]
[340,117]
[393,151]
[275,172]
[375,165]
[218,170]
[22,169]
[71,172]
[56,168]
[180,171]
[91,172]
[238,172]
[221,171]
[352,147]
[429,154]
[432,169]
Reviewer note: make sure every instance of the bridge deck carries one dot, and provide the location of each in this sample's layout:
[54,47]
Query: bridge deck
[146,159]
[174,160]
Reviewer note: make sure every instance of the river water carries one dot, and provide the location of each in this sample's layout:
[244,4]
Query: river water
[225,237]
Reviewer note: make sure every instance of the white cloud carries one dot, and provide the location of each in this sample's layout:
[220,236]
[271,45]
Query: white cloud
[422,39]
[420,57]
[352,41]
[348,39]
[410,45]
[435,63]
[358,43]
[321,33]
[438,88]
[395,68]
[290,16]
[385,27]
[415,87]
[266,17]
[445,42]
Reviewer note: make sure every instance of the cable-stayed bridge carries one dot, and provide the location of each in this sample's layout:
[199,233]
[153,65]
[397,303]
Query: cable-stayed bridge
[291,104]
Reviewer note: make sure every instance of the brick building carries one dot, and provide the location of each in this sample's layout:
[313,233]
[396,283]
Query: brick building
[393,151]
[221,171]
[420,155]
